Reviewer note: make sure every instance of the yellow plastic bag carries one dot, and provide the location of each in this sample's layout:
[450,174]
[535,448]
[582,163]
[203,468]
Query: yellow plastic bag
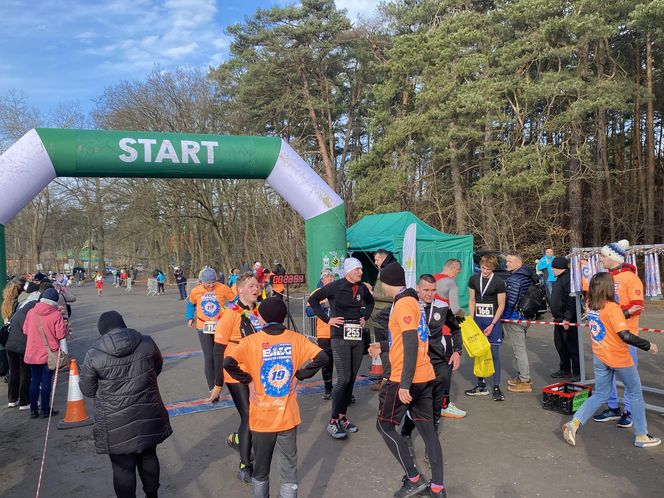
[484,365]
[474,341]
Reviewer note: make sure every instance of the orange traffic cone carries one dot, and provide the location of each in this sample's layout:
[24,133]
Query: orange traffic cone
[76,415]
[376,369]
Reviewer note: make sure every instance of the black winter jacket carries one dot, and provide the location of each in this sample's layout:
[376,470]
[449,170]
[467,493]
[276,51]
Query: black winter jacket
[563,306]
[120,372]
[17,339]
[516,286]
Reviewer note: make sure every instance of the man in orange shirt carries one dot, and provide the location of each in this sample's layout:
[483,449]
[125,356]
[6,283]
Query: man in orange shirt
[409,386]
[629,296]
[323,334]
[208,300]
[271,362]
[238,322]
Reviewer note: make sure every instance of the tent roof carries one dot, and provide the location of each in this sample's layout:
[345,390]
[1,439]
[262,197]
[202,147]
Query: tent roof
[386,231]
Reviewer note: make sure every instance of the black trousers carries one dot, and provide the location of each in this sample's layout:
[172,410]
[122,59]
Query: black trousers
[19,379]
[327,370]
[240,394]
[567,345]
[440,384]
[347,361]
[124,473]
[390,413]
[207,345]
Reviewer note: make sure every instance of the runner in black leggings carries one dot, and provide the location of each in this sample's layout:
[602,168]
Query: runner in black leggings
[237,322]
[345,297]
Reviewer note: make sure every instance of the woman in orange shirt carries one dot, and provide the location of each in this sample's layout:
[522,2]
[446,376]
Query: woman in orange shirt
[238,322]
[611,339]
[271,362]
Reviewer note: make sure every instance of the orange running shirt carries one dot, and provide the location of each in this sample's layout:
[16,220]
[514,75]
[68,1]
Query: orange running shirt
[322,328]
[406,315]
[272,361]
[629,291]
[210,304]
[607,344]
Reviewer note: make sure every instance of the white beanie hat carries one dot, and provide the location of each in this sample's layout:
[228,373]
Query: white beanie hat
[350,264]
[616,250]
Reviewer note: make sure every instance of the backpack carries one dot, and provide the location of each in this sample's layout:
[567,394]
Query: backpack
[533,303]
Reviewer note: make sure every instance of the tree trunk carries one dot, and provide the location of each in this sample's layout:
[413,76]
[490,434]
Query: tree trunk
[459,189]
[650,147]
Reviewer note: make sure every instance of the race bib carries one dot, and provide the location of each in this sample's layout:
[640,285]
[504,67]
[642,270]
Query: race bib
[352,331]
[209,327]
[484,310]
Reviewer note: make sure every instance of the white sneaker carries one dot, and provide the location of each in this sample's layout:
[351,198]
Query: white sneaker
[452,411]
[646,440]
[12,405]
[24,407]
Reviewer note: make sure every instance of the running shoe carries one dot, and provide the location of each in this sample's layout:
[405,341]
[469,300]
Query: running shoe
[244,474]
[409,488]
[434,494]
[34,413]
[569,433]
[498,394]
[625,421]
[336,430]
[24,407]
[452,411]
[233,441]
[608,415]
[646,441]
[47,414]
[348,426]
[477,391]
[12,405]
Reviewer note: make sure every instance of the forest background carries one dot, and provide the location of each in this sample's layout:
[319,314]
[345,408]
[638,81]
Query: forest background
[528,123]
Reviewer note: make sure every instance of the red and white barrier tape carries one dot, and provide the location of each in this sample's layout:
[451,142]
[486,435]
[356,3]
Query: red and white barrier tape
[542,322]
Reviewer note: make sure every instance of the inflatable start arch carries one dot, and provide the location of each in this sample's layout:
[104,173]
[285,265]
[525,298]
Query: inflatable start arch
[43,154]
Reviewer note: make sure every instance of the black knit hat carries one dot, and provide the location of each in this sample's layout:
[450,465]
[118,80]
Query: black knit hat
[393,274]
[110,320]
[273,310]
[560,263]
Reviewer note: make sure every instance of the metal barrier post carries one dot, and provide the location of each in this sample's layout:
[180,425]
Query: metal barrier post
[152,286]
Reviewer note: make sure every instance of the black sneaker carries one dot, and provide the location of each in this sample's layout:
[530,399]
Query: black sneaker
[336,430]
[348,426]
[233,441]
[433,494]
[409,488]
[244,474]
[327,396]
[477,391]
[561,375]
[34,413]
[498,394]
[46,414]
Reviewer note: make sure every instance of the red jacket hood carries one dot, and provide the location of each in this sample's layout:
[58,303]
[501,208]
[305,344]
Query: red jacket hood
[624,267]
[44,309]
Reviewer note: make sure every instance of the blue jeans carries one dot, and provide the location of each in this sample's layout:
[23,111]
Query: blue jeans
[549,288]
[41,377]
[604,377]
[183,290]
[613,399]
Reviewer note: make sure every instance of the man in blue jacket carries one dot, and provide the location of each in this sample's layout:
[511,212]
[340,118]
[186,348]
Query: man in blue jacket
[544,265]
[517,284]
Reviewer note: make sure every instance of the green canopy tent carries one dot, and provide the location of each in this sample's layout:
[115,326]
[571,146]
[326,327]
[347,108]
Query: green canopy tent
[386,231]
